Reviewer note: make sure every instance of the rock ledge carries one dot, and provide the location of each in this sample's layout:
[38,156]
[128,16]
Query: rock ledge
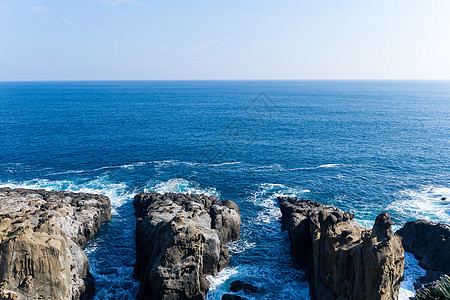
[430,244]
[180,239]
[41,239]
[343,259]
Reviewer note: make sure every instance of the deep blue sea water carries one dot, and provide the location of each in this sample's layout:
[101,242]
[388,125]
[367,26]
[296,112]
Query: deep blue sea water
[364,146]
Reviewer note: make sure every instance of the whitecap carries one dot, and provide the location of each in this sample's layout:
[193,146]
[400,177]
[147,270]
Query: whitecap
[423,203]
[411,272]
[180,185]
[266,197]
[68,172]
[225,164]
[329,166]
[118,193]
[221,277]
[240,245]
[315,168]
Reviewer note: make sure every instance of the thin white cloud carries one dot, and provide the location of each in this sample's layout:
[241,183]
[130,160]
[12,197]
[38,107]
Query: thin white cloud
[202,46]
[164,48]
[118,2]
[65,20]
[101,32]
[38,9]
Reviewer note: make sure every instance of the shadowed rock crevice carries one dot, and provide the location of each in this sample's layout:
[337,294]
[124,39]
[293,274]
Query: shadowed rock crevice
[430,244]
[343,259]
[41,235]
[180,239]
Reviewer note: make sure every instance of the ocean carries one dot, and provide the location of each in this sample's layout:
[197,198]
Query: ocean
[363,146]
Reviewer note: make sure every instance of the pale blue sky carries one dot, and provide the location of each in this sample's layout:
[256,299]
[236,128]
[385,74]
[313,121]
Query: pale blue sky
[128,39]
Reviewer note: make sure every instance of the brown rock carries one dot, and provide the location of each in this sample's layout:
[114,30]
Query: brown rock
[180,239]
[344,260]
[40,253]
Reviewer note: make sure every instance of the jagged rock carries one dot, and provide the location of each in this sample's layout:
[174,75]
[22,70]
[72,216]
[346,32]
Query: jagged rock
[239,285]
[41,239]
[343,259]
[180,239]
[231,297]
[430,244]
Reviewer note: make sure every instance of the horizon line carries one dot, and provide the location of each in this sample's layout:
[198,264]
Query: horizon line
[273,79]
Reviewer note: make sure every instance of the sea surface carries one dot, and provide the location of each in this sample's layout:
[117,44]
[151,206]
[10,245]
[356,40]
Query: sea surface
[364,146]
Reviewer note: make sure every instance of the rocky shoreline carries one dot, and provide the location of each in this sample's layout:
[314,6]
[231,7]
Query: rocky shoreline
[182,238]
[41,238]
[430,244]
[343,259]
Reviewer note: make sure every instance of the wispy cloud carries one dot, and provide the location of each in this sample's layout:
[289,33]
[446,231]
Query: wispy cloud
[118,2]
[202,46]
[65,20]
[164,49]
[101,32]
[38,9]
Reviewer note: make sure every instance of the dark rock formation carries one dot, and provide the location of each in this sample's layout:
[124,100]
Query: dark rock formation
[231,297]
[343,259]
[41,239]
[430,244]
[180,239]
[239,285]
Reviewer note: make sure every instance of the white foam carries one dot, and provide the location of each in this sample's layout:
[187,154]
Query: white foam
[118,193]
[180,185]
[329,166]
[314,168]
[239,246]
[274,167]
[423,203]
[411,272]
[226,164]
[405,294]
[266,197]
[221,277]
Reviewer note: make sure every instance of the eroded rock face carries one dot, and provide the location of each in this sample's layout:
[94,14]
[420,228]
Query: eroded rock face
[180,239]
[344,260]
[41,239]
[430,244]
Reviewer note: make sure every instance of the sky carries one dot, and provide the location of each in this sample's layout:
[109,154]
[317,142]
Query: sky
[199,39]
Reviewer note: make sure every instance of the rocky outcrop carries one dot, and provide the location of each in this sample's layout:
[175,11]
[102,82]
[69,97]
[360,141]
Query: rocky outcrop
[231,297]
[343,259]
[41,239]
[238,285]
[180,239]
[430,244]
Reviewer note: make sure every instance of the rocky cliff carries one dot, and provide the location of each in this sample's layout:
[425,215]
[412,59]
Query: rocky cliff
[344,260]
[430,244]
[41,239]
[180,239]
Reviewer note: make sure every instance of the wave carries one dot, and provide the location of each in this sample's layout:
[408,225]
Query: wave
[411,272]
[314,168]
[423,203]
[220,278]
[266,197]
[117,192]
[180,185]
[263,277]
[239,246]
[157,163]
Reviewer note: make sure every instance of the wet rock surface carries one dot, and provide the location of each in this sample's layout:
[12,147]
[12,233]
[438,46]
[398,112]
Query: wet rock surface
[231,297]
[41,238]
[239,285]
[343,259]
[430,244]
[180,239]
